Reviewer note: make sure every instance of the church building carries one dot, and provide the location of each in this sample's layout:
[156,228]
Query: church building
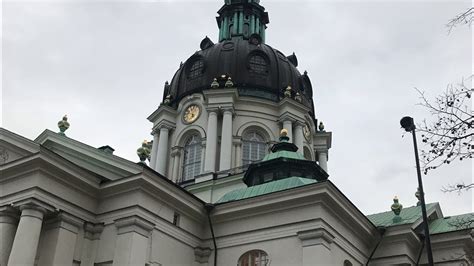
[237,174]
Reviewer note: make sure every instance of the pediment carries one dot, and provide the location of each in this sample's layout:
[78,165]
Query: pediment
[14,147]
[107,165]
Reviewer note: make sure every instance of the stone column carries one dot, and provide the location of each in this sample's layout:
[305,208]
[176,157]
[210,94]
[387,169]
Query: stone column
[59,243]
[323,159]
[299,137]
[162,150]
[226,141]
[316,245]
[8,221]
[211,141]
[91,242]
[176,154]
[154,149]
[288,125]
[132,241]
[27,235]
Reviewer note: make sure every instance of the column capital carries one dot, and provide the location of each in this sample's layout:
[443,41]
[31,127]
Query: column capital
[227,109]
[201,255]
[318,236]
[33,203]
[164,125]
[65,221]
[237,141]
[33,210]
[212,110]
[9,215]
[286,117]
[176,151]
[92,231]
[135,224]
[299,123]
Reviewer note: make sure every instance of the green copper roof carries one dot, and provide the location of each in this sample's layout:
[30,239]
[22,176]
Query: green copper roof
[452,223]
[266,188]
[408,216]
[284,154]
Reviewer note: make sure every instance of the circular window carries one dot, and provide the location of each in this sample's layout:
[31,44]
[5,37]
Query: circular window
[228,46]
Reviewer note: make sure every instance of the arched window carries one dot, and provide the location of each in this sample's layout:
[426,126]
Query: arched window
[254,258]
[254,147]
[258,64]
[192,158]
[347,263]
[196,69]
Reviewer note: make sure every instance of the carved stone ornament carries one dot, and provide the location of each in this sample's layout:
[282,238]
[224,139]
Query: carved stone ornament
[3,155]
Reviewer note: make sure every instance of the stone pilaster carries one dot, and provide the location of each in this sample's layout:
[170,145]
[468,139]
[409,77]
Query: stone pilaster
[176,155]
[288,125]
[132,241]
[323,159]
[211,141]
[299,136]
[60,237]
[226,140]
[154,149]
[92,234]
[316,246]
[238,152]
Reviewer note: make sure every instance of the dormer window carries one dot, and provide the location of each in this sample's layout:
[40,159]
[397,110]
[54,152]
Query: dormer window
[196,69]
[258,64]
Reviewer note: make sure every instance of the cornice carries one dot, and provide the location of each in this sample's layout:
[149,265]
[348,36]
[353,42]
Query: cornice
[50,139]
[162,110]
[134,224]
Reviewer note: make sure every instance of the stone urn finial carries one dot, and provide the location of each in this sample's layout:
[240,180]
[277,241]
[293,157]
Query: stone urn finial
[321,127]
[417,195]
[63,125]
[287,92]
[215,84]
[229,83]
[167,99]
[298,97]
[144,151]
[396,206]
[284,135]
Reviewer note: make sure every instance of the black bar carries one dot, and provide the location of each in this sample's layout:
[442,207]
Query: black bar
[422,199]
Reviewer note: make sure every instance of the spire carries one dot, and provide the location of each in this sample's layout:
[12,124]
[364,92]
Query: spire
[244,18]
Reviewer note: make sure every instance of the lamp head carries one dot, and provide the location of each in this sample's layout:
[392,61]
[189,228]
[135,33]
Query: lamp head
[407,123]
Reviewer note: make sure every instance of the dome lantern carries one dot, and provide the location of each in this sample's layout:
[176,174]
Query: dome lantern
[243,18]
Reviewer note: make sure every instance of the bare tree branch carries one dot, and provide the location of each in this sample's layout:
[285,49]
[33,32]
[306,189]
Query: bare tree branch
[448,136]
[464,18]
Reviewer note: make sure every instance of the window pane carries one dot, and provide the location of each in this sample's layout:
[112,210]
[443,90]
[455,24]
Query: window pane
[253,147]
[192,158]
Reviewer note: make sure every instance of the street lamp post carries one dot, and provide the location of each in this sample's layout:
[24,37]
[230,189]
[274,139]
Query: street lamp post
[409,125]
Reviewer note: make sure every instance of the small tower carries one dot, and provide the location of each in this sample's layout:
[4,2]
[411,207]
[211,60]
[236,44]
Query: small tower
[245,19]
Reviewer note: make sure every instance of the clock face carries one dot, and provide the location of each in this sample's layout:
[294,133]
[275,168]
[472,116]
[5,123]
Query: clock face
[191,114]
[307,132]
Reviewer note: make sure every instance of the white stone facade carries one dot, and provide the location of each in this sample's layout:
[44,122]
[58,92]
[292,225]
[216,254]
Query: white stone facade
[224,119]
[66,203]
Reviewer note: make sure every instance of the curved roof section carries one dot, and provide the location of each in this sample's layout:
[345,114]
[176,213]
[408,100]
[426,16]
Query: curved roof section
[256,69]
[266,188]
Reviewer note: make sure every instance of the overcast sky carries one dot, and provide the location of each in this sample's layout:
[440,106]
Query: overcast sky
[104,64]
